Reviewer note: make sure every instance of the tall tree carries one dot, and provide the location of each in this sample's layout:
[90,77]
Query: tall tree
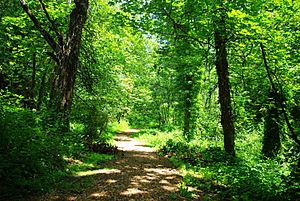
[227,122]
[65,53]
[193,22]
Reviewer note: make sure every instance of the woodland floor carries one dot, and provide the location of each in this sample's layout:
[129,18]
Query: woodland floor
[137,173]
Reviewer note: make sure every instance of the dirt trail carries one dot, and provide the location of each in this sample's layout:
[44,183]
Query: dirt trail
[136,174]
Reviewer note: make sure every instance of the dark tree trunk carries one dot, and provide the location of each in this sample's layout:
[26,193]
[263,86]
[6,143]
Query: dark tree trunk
[66,56]
[68,59]
[223,83]
[271,142]
[278,95]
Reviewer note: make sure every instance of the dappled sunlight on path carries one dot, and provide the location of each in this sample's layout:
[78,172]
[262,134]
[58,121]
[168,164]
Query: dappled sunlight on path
[138,173]
[126,143]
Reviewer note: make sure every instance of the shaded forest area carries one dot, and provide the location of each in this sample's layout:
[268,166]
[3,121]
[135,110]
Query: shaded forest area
[214,84]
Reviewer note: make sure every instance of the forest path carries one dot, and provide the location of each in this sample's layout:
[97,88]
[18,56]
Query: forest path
[138,173]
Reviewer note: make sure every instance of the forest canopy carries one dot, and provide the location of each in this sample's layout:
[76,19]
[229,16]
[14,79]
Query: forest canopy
[215,84]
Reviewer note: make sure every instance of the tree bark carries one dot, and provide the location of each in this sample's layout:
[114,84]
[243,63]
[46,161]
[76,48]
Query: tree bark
[271,142]
[69,58]
[223,83]
[278,97]
[66,55]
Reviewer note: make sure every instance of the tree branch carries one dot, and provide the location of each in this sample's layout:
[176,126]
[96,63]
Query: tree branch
[53,25]
[53,56]
[279,96]
[38,25]
[181,28]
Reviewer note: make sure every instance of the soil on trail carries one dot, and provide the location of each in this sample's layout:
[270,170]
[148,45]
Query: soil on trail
[138,173]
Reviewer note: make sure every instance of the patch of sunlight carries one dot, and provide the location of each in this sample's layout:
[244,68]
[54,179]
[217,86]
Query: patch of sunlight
[111,181]
[144,181]
[132,191]
[161,171]
[132,130]
[94,172]
[134,183]
[97,195]
[143,156]
[151,178]
[167,185]
[71,198]
[170,177]
[136,180]
[164,182]
[125,143]
[169,188]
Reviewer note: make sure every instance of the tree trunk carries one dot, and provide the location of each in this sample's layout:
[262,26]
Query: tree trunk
[271,142]
[223,83]
[69,58]
[278,95]
[66,56]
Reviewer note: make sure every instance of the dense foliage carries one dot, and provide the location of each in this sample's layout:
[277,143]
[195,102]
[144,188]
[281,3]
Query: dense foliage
[219,176]
[221,75]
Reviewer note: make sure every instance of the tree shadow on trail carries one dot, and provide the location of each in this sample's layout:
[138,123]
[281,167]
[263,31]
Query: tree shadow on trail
[136,177]
[137,173]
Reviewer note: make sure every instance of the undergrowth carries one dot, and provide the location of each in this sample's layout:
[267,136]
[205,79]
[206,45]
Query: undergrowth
[207,167]
[35,157]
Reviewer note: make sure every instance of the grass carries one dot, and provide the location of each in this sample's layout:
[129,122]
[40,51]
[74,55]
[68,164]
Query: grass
[79,172]
[80,162]
[206,167]
[88,161]
[155,138]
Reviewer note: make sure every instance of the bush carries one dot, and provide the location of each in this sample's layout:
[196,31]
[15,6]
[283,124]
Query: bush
[246,177]
[156,138]
[29,159]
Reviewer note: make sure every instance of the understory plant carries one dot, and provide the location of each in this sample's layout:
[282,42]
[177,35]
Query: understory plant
[248,176]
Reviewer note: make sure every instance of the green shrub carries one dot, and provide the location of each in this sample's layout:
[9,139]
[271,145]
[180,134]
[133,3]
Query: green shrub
[89,161]
[247,177]
[156,138]
[29,159]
